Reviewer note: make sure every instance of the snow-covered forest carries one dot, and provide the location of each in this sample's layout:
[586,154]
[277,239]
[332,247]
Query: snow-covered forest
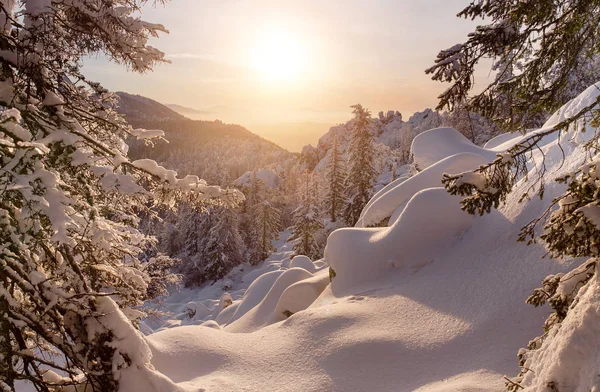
[450,250]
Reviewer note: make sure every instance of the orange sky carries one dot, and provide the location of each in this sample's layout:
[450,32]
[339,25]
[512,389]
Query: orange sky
[258,62]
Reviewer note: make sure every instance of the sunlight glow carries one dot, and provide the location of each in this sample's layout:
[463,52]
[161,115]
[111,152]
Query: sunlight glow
[280,56]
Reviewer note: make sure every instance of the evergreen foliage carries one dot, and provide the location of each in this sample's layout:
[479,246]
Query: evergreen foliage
[546,53]
[267,221]
[543,51]
[472,125]
[255,193]
[159,269]
[560,291]
[306,222]
[361,171]
[70,196]
[224,246]
[335,177]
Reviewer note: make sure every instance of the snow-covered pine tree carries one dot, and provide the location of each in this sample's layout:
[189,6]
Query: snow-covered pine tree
[335,177]
[255,193]
[527,87]
[394,171]
[69,197]
[224,245]
[551,42]
[306,222]
[361,171]
[159,270]
[472,125]
[460,119]
[194,224]
[267,224]
[317,191]
[406,135]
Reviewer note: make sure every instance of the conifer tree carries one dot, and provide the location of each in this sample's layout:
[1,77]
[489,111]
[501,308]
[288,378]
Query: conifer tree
[70,197]
[159,269]
[542,52]
[224,247]
[549,42]
[335,177]
[267,224]
[255,191]
[194,225]
[361,172]
[306,222]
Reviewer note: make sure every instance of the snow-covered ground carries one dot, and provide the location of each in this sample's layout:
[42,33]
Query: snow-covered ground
[434,302]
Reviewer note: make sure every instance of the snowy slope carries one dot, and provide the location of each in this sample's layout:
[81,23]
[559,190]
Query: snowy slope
[437,308]
[268,176]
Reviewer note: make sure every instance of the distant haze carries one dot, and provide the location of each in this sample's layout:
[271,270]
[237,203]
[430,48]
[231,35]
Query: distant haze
[294,65]
[289,135]
[188,111]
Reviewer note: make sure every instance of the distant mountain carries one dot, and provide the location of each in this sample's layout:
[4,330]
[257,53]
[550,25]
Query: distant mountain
[139,109]
[213,150]
[189,112]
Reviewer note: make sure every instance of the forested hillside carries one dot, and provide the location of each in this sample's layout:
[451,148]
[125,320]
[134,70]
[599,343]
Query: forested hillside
[215,151]
[458,250]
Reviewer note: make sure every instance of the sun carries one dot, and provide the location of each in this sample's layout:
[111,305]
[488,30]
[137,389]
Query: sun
[280,56]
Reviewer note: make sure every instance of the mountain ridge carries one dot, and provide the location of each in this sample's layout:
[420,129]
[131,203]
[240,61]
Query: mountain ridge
[213,150]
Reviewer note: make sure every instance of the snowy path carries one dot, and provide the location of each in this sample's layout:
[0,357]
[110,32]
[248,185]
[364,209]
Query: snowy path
[205,300]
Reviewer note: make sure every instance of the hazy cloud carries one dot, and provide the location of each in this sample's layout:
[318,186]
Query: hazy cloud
[195,56]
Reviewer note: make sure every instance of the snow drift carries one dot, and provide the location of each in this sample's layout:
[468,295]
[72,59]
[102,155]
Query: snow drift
[430,223]
[385,203]
[434,302]
[436,144]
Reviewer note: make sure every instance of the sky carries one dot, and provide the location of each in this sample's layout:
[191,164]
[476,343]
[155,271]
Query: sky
[280,65]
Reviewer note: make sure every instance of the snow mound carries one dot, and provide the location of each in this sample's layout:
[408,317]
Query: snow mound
[254,274]
[304,262]
[255,294]
[382,191]
[197,311]
[431,222]
[226,314]
[452,325]
[436,144]
[265,312]
[302,294]
[500,139]
[480,381]
[211,324]
[384,204]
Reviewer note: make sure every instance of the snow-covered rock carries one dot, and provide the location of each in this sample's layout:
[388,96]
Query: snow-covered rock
[436,144]
[268,176]
[304,262]
[384,204]
[431,222]
[302,294]
[265,313]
